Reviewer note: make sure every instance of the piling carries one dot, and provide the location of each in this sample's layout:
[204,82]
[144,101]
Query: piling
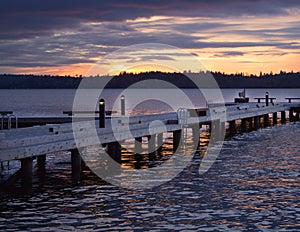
[291,115]
[176,140]
[250,122]
[138,145]
[283,117]
[159,142]
[256,122]
[275,118]
[41,161]
[115,151]
[196,137]
[266,120]
[244,125]
[151,144]
[232,128]
[76,166]
[26,174]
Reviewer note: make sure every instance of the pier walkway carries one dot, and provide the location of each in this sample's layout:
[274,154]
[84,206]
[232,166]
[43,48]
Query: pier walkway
[25,144]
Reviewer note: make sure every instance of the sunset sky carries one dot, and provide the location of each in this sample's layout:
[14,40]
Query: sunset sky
[69,36]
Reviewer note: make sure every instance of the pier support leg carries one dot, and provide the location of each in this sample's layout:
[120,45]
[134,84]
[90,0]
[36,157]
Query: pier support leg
[196,137]
[26,174]
[216,130]
[266,120]
[41,167]
[41,161]
[232,128]
[159,141]
[176,140]
[76,166]
[275,118]
[256,122]
[297,117]
[291,115]
[244,125]
[250,120]
[152,145]
[283,117]
[138,149]
[115,151]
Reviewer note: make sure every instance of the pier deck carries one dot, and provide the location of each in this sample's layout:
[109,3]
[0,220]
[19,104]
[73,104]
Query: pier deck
[38,140]
[26,143]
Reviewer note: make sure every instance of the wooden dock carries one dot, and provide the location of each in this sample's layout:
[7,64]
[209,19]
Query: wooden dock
[47,136]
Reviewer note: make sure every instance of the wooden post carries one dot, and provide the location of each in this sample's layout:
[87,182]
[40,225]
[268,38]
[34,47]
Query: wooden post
[41,167]
[291,115]
[266,120]
[297,117]
[244,125]
[196,137]
[151,144]
[122,105]
[250,123]
[256,122]
[283,117]
[101,113]
[176,140]
[115,151]
[138,145]
[41,161]
[159,141]
[275,118]
[26,174]
[216,130]
[232,128]
[76,166]
[222,130]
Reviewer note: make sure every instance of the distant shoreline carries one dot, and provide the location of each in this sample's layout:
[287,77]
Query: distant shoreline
[157,81]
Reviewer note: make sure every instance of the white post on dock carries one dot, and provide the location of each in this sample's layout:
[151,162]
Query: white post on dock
[122,105]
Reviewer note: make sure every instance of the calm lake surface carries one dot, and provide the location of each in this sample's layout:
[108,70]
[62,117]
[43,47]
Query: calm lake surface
[253,186]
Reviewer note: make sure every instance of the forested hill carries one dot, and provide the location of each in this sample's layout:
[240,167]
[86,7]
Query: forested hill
[281,80]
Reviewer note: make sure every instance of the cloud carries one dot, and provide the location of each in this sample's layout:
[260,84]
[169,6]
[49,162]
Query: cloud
[228,54]
[52,33]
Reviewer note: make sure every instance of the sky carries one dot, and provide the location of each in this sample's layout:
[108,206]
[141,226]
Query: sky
[68,37]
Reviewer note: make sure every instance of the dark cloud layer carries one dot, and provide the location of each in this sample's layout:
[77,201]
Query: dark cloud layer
[59,32]
[28,18]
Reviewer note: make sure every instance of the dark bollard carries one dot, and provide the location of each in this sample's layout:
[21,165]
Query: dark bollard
[122,105]
[101,113]
[267,98]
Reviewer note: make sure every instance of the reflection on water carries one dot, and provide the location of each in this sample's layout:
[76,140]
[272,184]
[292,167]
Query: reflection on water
[253,185]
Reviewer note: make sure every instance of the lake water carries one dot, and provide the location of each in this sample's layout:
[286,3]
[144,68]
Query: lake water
[54,102]
[253,186]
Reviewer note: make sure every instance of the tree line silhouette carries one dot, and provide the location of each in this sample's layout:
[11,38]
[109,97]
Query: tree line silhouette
[124,80]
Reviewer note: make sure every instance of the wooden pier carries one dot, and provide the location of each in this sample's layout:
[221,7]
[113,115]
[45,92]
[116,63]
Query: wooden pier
[47,136]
